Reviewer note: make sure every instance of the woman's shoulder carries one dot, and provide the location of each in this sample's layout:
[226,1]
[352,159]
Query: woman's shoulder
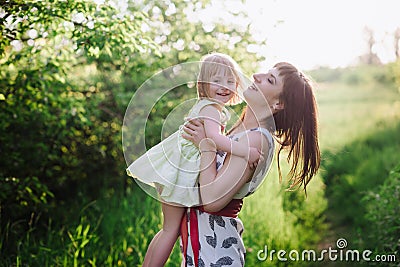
[256,138]
[265,132]
[255,135]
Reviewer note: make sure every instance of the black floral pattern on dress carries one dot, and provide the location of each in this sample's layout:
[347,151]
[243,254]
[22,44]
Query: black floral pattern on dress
[222,261]
[217,219]
[220,153]
[233,222]
[241,258]
[201,263]
[228,242]
[212,241]
[189,260]
[218,164]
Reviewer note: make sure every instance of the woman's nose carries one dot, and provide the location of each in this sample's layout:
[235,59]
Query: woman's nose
[256,77]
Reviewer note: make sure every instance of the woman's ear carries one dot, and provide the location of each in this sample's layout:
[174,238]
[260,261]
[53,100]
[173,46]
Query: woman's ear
[279,106]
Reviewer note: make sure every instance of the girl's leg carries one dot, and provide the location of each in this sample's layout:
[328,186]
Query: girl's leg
[161,246]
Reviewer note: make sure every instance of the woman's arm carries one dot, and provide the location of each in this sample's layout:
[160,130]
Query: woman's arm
[218,189]
[212,130]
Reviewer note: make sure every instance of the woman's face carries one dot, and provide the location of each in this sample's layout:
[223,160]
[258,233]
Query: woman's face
[265,90]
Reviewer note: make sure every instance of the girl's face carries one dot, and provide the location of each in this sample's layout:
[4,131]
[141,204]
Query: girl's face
[265,90]
[222,87]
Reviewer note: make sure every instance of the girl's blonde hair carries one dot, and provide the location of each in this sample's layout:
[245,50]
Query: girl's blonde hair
[214,63]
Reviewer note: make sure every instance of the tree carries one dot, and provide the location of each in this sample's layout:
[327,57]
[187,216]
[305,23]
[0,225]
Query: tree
[370,57]
[52,132]
[397,43]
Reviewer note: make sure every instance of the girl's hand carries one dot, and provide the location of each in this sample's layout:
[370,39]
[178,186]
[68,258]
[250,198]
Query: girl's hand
[194,131]
[254,157]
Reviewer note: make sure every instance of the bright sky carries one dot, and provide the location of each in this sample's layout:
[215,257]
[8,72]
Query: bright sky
[318,32]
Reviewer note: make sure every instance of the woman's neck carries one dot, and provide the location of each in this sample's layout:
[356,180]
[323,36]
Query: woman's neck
[253,119]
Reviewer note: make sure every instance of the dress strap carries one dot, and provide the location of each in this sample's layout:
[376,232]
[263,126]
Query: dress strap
[231,210]
[190,217]
[264,131]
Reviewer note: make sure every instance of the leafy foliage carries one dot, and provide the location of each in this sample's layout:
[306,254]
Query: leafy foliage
[56,138]
[359,167]
[382,214]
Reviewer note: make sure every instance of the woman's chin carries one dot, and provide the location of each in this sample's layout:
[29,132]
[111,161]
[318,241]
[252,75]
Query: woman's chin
[248,96]
[245,94]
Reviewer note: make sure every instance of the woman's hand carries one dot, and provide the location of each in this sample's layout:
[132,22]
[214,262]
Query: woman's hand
[254,157]
[194,131]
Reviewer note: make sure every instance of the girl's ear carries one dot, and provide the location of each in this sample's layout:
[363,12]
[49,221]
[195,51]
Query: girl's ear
[200,89]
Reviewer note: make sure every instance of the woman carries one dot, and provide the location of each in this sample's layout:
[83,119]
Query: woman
[211,234]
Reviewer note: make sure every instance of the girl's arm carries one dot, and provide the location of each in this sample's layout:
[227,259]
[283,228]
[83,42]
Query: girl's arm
[218,189]
[212,127]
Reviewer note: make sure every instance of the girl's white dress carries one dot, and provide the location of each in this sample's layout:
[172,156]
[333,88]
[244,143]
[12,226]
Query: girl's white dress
[172,166]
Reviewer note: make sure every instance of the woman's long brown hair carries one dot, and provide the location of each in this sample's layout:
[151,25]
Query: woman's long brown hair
[296,126]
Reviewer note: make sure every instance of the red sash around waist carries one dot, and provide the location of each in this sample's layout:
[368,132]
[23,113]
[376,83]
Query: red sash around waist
[230,210]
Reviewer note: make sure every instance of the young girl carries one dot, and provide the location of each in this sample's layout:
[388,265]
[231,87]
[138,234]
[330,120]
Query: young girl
[173,165]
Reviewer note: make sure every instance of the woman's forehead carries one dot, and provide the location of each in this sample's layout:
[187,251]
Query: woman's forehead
[273,71]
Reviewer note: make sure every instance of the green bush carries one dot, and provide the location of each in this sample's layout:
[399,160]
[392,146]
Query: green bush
[325,74]
[382,214]
[382,75]
[58,140]
[355,169]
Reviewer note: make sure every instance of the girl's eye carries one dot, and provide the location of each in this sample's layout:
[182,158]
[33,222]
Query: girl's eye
[270,80]
[215,81]
[231,82]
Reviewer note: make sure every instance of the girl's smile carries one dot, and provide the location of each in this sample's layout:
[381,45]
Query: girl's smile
[222,88]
